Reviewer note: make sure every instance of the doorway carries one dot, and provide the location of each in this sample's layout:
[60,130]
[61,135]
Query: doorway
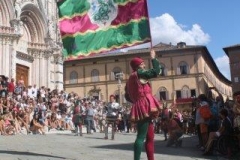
[22,71]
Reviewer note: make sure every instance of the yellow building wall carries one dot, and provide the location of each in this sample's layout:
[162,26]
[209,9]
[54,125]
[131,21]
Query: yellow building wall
[190,82]
[172,82]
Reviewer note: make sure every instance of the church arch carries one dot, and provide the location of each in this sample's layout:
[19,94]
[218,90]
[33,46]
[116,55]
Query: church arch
[6,12]
[36,24]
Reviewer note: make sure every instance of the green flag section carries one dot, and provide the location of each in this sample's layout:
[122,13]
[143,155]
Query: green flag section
[90,27]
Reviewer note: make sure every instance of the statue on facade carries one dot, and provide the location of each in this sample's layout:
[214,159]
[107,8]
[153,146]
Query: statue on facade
[18,8]
[17,25]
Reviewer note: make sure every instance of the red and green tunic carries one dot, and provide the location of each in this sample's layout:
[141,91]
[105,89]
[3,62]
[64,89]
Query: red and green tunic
[144,103]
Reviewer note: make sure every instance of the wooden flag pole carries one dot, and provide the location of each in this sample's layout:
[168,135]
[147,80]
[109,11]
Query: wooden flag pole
[151,45]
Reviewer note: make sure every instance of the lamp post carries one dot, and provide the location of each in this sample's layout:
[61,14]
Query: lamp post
[118,77]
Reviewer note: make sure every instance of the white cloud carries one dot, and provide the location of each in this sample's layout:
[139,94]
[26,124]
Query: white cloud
[223,66]
[165,29]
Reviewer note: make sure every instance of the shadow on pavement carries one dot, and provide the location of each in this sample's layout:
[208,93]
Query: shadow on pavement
[29,154]
[94,137]
[188,148]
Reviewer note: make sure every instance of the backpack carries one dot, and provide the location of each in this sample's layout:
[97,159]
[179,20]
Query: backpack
[205,112]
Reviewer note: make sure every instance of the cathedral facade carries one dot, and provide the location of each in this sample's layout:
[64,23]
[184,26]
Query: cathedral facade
[30,42]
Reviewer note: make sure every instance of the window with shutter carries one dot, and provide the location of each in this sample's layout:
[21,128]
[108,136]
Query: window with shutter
[95,75]
[178,71]
[185,92]
[73,77]
[183,68]
[163,93]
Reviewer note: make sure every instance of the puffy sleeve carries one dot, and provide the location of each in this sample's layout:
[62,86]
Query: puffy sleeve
[151,73]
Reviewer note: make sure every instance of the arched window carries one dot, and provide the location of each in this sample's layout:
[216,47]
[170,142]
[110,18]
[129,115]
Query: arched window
[114,72]
[95,75]
[183,68]
[163,93]
[164,70]
[73,77]
[186,92]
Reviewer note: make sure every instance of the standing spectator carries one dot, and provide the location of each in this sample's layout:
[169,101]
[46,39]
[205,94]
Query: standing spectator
[42,94]
[21,82]
[112,109]
[3,88]
[34,91]
[201,122]
[18,91]
[145,107]
[29,91]
[89,118]
[178,114]
[77,120]
[11,87]
[102,118]
[164,118]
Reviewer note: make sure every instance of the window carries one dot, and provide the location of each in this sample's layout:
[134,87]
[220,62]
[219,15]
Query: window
[73,77]
[236,79]
[185,92]
[164,70]
[193,92]
[95,75]
[178,94]
[163,93]
[114,72]
[182,68]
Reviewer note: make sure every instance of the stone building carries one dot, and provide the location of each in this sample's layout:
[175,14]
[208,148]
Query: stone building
[188,71]
[233,52]
[30,44]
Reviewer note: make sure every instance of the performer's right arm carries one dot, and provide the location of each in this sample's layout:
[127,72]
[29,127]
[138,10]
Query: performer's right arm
[151,73]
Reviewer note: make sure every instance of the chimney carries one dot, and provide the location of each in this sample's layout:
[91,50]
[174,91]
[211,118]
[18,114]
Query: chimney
[181,45]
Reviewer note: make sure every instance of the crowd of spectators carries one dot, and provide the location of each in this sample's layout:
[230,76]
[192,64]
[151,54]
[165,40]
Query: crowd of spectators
[40,110]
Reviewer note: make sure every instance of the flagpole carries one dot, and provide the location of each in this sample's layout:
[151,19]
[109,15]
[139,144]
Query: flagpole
[151,45]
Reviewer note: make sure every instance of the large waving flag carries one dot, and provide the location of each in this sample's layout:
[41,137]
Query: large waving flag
[91,27]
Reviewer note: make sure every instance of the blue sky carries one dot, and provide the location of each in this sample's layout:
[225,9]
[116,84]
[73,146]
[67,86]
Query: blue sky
[213,23]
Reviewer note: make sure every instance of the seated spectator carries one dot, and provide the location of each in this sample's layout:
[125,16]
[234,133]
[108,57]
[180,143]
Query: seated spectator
[53,122]
[35,125]
[68,124]
[2,126]
[9,125]
[225,129]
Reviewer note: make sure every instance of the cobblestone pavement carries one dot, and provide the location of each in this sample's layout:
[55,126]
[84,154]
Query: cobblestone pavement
[57,145]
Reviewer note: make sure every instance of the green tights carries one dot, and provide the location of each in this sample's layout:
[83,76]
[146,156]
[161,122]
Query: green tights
[145,129]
